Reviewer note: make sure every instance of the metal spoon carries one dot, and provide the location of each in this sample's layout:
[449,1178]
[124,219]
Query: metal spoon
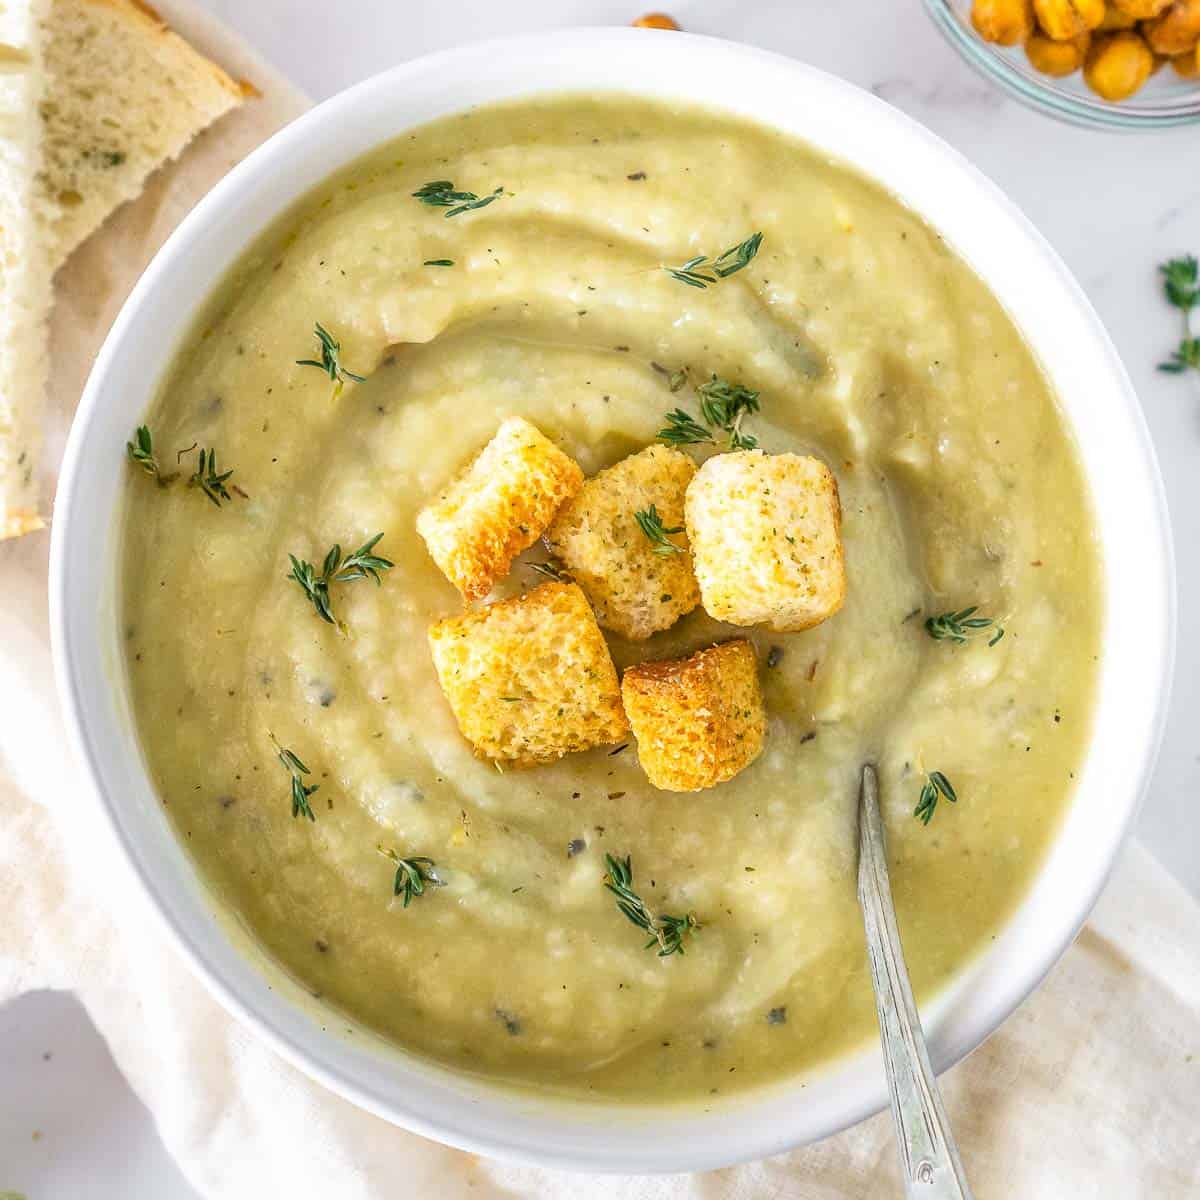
[928,1154]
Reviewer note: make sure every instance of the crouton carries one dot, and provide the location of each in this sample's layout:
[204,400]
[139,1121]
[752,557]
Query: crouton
[637,586]
[497,507]
[699,720]
[766,539]
[530,679]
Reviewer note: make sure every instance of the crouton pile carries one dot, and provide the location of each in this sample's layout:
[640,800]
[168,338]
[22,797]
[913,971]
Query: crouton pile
[753,537]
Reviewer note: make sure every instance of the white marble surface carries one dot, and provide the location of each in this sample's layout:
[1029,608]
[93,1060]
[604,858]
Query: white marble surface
[1112,205]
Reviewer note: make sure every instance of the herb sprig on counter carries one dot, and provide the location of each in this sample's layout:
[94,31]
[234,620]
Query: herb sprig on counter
[936,785]
[1181,283]
[700,271]
[723,407]
[441,193]
[141,453]
[960,627]
[667,933]
[362,564]
[651,524]
[412,874]
[300,792]
[330,361]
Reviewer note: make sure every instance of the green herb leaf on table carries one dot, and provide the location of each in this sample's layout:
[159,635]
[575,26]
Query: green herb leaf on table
[412,874]
[656,532]
[1181,283]
[936,785]
[441,193]
[208,479]
[297,770]
[1186,356]
[330,361]
[362,564]
[962,626]
[667,933]
[700,271]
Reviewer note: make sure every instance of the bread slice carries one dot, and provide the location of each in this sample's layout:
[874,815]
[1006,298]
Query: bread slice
[636,586]
[530,679]
[24,278]
[698,720]
[125,95]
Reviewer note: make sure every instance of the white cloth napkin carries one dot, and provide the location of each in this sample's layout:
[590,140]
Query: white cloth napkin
[1091,1090]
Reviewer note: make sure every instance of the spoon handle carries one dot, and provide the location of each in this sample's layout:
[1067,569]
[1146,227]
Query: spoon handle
[929,1157]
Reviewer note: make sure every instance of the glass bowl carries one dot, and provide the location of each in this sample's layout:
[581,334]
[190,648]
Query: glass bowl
[1166,100]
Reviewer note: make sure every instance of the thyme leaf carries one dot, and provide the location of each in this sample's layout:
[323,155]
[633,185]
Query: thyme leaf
[441,193]
[412,874]
[438,262]
[362,564]
[141,453]
[551,569]
[667,933]
[297,770]
[208,479]
[1186,355]
[1181,283]
[656,532]
[682,429]
[936,785]
[330,361]
[723,405]
[961,626]
[700,271]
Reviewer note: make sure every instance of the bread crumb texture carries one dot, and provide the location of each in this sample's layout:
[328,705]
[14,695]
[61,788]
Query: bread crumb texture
[530,679]
[634,591]
[500,505]
[766,539]
[126,94]
[698,720]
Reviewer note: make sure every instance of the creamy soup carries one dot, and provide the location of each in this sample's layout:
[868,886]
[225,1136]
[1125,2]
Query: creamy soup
[871,344]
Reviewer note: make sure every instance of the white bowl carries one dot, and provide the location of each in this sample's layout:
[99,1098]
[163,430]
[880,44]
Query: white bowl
[980,224]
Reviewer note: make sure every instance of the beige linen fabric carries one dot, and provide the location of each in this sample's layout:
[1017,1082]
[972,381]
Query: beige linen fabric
[1091,1090]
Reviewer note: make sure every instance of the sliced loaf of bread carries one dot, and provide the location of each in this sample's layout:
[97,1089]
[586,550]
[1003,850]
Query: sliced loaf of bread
[24,276]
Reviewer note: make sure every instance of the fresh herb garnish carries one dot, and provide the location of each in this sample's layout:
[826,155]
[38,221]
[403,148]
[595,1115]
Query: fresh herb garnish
[700,271]
[675,379]
[330,361]
[652,526]
[552,569]
[362,564]
[682,429]
[412,874]
[141,452]
[297,770]
[438,262]
[724,404]
[207,478]
[1181,283]
[961,626]
[667,933]
[440,193]
[936,784]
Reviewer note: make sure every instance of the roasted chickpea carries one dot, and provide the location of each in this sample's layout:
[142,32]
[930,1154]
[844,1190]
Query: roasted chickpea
[656,21]
[1115,18]
[1005,22]
[1063,20]
[1187,66]
[1139,10]
[1056,58]
[1176,31]
[1117,65]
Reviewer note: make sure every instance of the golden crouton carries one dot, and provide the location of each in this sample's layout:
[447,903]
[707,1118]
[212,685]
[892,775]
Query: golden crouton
[530,679]
[636,585]
[766,539]
[499,506]
[699,720]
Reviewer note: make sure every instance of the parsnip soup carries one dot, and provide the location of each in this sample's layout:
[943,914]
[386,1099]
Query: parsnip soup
[594,266]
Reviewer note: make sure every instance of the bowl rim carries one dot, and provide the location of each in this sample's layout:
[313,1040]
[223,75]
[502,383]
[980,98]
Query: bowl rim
[471,1115]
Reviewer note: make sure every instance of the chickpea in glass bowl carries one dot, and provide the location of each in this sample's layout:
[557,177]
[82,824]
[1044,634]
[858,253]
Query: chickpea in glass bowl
[1094,62]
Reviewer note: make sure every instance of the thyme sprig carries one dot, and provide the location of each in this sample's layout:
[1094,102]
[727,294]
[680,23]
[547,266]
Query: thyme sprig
[208,479]
[551,569]
[1181,283]
[700,271]
[960,627]
[441,193]
[412,874]
[297,770]
[667,933]
[330,361]
[651,524]
[723,407]
[141,453]
[362,564]
[936,785]
[682,429]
